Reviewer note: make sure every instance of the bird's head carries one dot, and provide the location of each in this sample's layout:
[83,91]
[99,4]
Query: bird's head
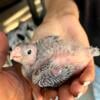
[24,54]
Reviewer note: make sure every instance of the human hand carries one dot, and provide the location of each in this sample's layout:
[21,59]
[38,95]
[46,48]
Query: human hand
[12,85]
[69,29]
[3,48]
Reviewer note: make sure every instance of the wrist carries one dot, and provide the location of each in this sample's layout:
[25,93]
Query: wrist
[48,28]
[56,26]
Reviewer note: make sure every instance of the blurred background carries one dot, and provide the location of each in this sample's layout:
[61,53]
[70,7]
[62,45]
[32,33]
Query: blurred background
[19,19]
[12,12]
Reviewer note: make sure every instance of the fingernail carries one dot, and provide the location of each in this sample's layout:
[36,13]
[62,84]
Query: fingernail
[78,96]
[86,83]
[56,98]
[35,98]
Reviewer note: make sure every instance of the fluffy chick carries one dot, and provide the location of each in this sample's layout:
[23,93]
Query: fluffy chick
[52,61]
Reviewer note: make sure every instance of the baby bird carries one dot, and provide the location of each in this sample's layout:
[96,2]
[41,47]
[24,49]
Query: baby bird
[26,55]
[50,61]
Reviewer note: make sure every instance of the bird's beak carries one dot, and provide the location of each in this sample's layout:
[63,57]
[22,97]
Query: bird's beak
[16,54]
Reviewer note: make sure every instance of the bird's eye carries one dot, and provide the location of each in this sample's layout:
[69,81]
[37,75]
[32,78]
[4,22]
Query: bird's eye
[29,52]
[10,49]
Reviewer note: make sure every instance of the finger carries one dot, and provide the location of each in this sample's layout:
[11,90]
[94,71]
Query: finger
[4,42]
[88,75]
[3,48]
[64,93]
[50,94]
[37,93]
[77,89]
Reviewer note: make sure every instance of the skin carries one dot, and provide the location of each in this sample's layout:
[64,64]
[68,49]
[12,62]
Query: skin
[13,86]
[65,23]
[3,48]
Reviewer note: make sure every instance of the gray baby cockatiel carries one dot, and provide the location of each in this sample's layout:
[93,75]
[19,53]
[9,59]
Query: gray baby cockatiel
[50,61]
